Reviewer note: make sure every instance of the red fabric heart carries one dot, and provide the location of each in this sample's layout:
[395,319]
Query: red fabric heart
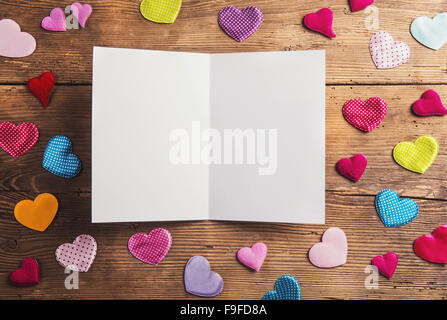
[357,5]
[365,115]
[352,168]
[27,274]
[42,86]
[386,264]
[433,247]
[429,105]
[16,140]
[321,22]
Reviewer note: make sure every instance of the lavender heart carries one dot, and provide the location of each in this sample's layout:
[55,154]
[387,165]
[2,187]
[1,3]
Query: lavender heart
[240,24]
[200,280]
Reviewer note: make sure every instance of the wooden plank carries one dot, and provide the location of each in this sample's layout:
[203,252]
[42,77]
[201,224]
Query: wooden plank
[120,24]
[115,274]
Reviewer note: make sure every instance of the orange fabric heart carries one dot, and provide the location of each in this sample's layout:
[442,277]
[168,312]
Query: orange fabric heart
[37,214]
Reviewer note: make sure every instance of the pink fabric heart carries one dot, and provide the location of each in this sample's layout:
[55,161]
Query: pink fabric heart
[81,12]
[352,168]
[332,251]
[433,247]
[13,42]
[387,53]
[79,255]
[321,22]
[429,105]
[386,264]
[253,257]
[17,140]
[357,5]
[55,21]
[365,115]
[150,248]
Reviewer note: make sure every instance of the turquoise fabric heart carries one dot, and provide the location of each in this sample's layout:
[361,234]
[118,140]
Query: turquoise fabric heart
[286,288]
[59,159]
[393,210]
[431,33]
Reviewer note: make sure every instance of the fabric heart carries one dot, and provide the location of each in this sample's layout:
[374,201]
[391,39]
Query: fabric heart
[17,140]
[432,33]
[42,86]
[332,251]
[286,288]
[365,115]
[387,53]
[240,24]
[352,168]
[357,5]
[253,257]
[429,105]
[27,275]
[81,12]
[55,21]
[161,11]
[37,214]
[386,264]
[79,255]
[393,210]
[321,22]
[417,156]
[433,247]
[59,159]
[200,280]
[13,42]
[150,248]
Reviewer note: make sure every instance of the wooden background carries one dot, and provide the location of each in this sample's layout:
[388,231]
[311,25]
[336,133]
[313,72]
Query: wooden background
[350,206]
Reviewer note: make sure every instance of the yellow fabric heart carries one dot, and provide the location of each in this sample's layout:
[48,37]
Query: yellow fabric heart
[417,156]
[161,11]
[37,214]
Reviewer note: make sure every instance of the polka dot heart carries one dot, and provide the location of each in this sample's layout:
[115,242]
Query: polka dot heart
[150,248]
[59,159]
[79,255]
[17,140]
[240,24]
[286,288]
[365,115]
[387,53]
[393,210]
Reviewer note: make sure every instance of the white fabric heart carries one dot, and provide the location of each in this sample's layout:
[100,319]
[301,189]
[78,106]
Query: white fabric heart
[387,53]
[432,33]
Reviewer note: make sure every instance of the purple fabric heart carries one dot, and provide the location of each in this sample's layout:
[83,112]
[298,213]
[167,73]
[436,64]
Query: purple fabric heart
[240,24]
[200,280]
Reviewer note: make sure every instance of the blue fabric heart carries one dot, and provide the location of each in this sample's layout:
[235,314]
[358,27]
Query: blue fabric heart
[393,210]
[286,288]
[59,159]
[431,33]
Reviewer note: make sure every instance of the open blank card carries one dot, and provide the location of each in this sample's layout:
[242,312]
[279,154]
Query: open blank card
[194,136]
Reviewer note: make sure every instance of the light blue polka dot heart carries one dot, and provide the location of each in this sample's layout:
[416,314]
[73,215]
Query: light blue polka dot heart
[59,159]
[393,210]
[431,33]
[286,288]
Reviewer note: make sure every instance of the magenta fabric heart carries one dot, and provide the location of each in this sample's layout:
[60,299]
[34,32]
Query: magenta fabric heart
[332,251]
[253,257]
[352,168]
[365,115]
[429,105]
[240,24]
[357,5]
[321,22]
[150,248]
[79,255]
[386,264]
[81,12]
[55,21]
[387,53]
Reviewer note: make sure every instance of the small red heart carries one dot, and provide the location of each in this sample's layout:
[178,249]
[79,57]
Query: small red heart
[357,5]
[321,22]
[352,168]
[365,115]
[429,105]
[16,140]
[386,264]
[27,274]
[42,86]
[433,247]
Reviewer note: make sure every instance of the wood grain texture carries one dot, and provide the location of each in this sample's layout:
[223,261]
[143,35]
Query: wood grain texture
[120,24]
[115,274]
